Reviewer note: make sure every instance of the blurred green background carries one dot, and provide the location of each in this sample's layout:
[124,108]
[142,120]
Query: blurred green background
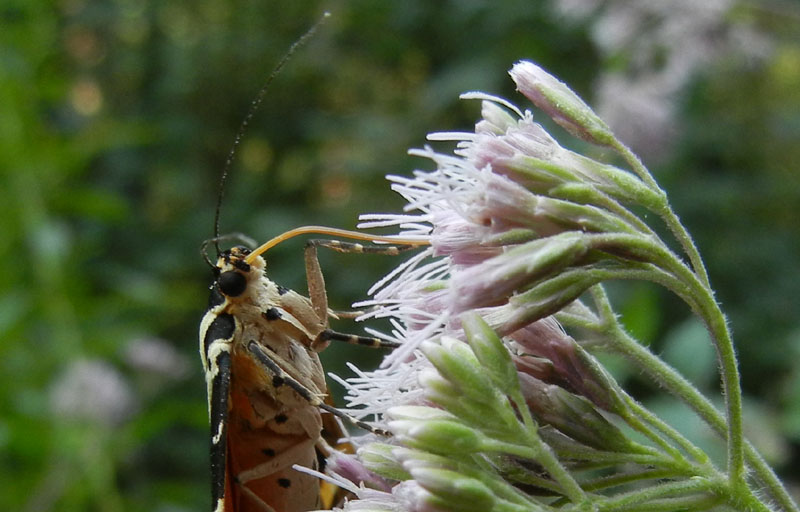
[115,120]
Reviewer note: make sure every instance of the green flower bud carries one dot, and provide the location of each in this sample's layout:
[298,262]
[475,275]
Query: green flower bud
[456,362]
[543,300]
[496,279]
[490,351]
[418,412]
[495,119]
[573,415]
[412,458]
[432,381]
[442,392]
[446,437]
[560,103]
[456,491]
[378,458]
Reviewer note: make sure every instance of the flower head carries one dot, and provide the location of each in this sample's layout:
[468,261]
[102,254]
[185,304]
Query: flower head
[487,396]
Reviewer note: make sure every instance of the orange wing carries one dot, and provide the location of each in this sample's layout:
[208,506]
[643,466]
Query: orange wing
[261,450]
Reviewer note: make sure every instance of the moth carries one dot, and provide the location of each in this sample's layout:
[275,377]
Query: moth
[259,345]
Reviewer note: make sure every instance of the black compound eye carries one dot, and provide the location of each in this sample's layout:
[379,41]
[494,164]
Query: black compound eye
[232,283]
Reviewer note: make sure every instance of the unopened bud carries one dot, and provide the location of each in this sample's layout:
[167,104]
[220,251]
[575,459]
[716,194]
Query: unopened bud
[508,204]
[496,279]
[457,492]
[572,415]
[412,458]
[496,119]
[545,299]
[491,352]
[379,459]
[355,470]
[560,103]
[446,437]
[570,365]
[430,380]
[456,362]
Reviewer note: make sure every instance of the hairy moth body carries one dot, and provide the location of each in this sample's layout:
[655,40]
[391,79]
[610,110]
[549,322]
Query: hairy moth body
[260,425]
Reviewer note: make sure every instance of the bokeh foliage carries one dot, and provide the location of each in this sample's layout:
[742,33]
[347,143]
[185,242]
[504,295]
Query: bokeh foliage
[116,120]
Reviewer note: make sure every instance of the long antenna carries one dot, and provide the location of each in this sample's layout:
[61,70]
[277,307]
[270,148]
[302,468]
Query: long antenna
[250,113]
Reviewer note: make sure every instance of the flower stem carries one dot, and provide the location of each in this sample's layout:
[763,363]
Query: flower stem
[638,498]
[666,376]
[708,309]
[733,393]
[535,449]
[501,487]
[505,506]
[699,455]
[703,304]
[677,385]
[666,213]
[616,480]
[695,503]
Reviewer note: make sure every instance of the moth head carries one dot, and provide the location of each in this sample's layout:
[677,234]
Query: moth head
[234,273]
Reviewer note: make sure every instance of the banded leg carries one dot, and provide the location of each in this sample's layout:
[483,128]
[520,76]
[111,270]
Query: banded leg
[281,378]
[329,335]
[355,247]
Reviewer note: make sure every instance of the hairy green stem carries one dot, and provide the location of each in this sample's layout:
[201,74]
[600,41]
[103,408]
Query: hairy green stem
[499,485]
[670,489]
[695,503]
[678,386]
[537,450]
[607,482]
[504,506]
[666,213]
[704,305]
[709,311]
[604,459]
[688,447]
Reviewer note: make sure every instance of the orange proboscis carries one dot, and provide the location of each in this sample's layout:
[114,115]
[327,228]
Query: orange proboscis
[324,230]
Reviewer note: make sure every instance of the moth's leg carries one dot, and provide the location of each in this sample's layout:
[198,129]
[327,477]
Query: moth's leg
[328,335]
[281,378]
[316,281]
[350,315]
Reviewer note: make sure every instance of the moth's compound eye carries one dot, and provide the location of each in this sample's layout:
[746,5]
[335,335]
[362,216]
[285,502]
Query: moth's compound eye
[232,283]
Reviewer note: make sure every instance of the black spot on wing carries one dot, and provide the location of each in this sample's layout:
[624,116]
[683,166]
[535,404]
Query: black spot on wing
[222,328]
[272,314]
[281,418]
[269,452]
[284,482]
